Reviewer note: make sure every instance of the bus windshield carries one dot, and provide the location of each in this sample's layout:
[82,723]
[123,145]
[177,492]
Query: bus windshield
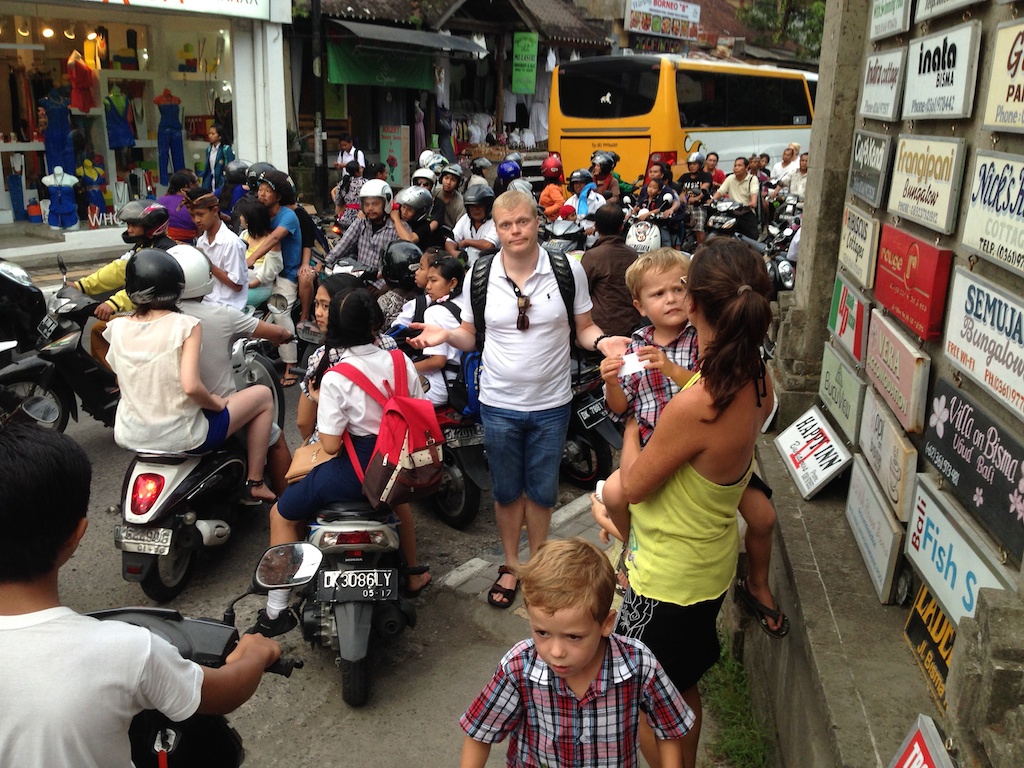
[607,88]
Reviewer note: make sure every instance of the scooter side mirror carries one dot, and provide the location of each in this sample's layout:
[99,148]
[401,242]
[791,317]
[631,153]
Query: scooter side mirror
[44,412]
[286,566]
[277,304]
[61,265]
[627,200]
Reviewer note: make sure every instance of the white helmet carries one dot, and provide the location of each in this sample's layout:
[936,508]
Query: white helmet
[522,185]
[437,163]
[424,173]
[425,157]
[417,198]
[195,265]
[378,188]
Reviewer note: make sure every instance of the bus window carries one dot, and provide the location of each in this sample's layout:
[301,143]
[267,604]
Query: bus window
[729,100]
[608,89]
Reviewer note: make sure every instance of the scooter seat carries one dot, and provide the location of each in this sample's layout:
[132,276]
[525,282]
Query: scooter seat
[349,510]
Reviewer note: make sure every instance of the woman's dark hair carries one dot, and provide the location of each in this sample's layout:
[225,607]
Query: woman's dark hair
[729,284]
[451,268]
[227,194]
[351,172]
[257,217]
[178,181]
[373,170]
[354,318]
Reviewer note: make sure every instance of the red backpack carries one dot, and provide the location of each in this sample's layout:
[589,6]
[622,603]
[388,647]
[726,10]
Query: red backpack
[406,463]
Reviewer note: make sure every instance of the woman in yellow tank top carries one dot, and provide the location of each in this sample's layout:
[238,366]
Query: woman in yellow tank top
[683,492]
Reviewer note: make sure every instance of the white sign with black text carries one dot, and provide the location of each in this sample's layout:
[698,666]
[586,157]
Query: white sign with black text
[941,74]
[878,534]
[882,90]
[925,180]
[812,451]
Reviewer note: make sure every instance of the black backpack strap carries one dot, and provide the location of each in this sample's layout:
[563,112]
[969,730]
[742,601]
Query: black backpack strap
[420,308]
[566,287]
[478,295]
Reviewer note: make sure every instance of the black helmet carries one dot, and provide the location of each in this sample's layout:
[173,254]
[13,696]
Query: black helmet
[479,194]
[252,175]
[236,171]
[154,278]
[399,264]
[152,216]
[604,161]
[281,183]
[581,174]
[514,157]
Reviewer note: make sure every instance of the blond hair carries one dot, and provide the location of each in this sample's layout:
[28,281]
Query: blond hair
[568,574]
[658,260]
[513,200]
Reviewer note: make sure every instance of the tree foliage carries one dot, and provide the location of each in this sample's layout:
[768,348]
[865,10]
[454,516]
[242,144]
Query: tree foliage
[780,21]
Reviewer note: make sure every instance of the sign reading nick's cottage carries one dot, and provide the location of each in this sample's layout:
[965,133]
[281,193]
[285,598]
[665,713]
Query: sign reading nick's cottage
[869,166]
[926,179]
[994,219]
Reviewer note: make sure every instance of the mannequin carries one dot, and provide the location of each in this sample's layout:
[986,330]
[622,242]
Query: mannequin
[83,80]
[119,130]
[419,135]
[94,177]
[63,209]
[170,147]
[57,138]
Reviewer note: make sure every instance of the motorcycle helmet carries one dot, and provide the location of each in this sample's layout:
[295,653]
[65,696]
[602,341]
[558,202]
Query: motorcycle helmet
[437,164]
[695,157]
[417,198]
[281,183]
[521,185]
[603,161]
[399,263]
[479,165]
[252,176]
[479,194]
[236,171]
[425,157]
[152,216]
[514,157]
[452,170]
[551,168]
[581,175]
[153,278]
[377,188]
[196,268]
[424,173]
[508,170]
[615,158]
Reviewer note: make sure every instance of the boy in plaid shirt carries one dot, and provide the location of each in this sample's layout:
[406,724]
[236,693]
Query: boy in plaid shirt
[572,694]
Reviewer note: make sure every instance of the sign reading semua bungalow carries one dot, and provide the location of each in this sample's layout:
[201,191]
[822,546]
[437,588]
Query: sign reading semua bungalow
[883,85]
[985,337]
[982,462]
[858,245]
[942,73]
[869,165]
[912,280]
[994,220]
[898,369]
[926,180]
[1004,107]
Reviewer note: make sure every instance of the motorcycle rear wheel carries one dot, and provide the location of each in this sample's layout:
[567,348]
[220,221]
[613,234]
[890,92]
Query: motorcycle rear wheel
[53,394]
[355,682]
[457,500]
[585,462]
[263,372]
[171,573]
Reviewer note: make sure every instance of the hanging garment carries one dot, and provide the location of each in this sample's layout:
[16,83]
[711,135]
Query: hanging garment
[82,81]
[170,147]
[63,208]
[57,140]
[119,132]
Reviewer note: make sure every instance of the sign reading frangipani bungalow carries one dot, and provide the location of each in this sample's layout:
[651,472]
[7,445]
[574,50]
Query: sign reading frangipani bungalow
[926,176]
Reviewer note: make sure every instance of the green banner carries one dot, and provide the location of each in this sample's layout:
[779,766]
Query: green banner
[348,65]
[524,62]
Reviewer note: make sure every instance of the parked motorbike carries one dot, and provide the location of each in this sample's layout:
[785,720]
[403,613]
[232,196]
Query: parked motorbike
[457,500]
[644,235]
[22,306]
[723,220]
[563,236]
[587,455]
[781,270]
[208,741]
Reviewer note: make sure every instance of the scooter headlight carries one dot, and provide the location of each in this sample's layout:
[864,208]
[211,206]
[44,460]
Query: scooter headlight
[15,273]
[787,275]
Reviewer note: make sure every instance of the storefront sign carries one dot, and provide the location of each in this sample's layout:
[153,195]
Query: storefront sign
[842,392]
[664,18]
[891,456]
[982,462]
[942,72]
[994,220]
[912,280]
[985,337]
[524,62]
[350,65]
[922,748]
[930,635]
[950,553]
[889,17]
[812,452]
[858,245]
[926,179]
[882,89]
[869,166]
[848,318]
[898,369]
[249,9]
[394,151]
[1004,107]
[929,9]
[879,536]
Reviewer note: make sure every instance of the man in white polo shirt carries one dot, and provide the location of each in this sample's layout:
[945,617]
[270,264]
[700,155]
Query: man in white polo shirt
[526,388]
[222,247]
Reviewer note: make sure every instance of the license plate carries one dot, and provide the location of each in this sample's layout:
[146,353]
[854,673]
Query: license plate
[148,541]
[458,436]
[357,585]
[47,326]
[592,414]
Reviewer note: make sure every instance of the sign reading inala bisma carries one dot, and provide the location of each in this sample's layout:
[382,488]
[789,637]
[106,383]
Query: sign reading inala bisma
[985,337]
[1004,107]
[941,74]
[889,17]
[994,219]
[812,452]
[877,533]
[926,179]
[898,369]
[869,166]
[858,245]
[882,90]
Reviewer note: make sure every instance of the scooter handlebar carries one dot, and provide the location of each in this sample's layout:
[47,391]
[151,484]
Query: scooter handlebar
[285,666]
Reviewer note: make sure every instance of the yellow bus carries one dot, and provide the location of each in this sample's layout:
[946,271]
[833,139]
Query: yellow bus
[655,108]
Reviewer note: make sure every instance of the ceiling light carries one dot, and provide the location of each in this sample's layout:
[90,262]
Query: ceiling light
[69,31]
[47,32]
[23,30]
[91,35]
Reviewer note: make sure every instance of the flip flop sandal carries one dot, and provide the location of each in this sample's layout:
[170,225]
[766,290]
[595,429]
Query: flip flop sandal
[417,571]
[761,612]
[289,380]
[505,592]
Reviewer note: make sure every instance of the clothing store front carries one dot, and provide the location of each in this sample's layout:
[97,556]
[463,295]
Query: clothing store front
[119,96]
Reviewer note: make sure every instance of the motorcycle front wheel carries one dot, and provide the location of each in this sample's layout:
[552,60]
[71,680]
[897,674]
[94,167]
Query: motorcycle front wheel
[457,500]
[171,573]
[584,462]
[22,390]
[355,682]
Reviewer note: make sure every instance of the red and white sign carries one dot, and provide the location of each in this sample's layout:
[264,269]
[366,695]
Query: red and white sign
[899,371]
[922,748]
[812,451]
[848,317]
[911,281]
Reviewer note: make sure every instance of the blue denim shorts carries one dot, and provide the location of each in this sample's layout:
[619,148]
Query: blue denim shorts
[524,450]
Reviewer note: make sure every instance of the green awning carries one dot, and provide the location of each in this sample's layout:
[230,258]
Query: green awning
[351,64]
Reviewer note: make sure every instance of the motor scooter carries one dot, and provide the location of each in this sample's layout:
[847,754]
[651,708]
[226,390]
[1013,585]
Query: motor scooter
[208,741]
[563,236]
[591,436]
[643,235]
[466,475]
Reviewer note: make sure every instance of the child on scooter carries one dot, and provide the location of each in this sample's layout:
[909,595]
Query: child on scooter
[444,284]
[254,218]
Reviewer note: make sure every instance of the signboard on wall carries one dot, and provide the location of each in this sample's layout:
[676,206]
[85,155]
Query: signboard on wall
[848,318]
[899,371]
[842,392]
[524,62]
[926,175]
[663,18]
[950,553]
[812,452]
[994,219]
[869,166]
[929,9]
[984,337]
[942,74]
[394,152]
[930,635]
[882,89]
[1004,106]
[891,456]
[982,462]
[889,17]
[249,9]
[912,279]
[878,534]
[858,245]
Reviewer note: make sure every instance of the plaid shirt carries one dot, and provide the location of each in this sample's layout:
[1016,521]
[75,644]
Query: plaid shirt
[548,725]
[648,391]
[368,245]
